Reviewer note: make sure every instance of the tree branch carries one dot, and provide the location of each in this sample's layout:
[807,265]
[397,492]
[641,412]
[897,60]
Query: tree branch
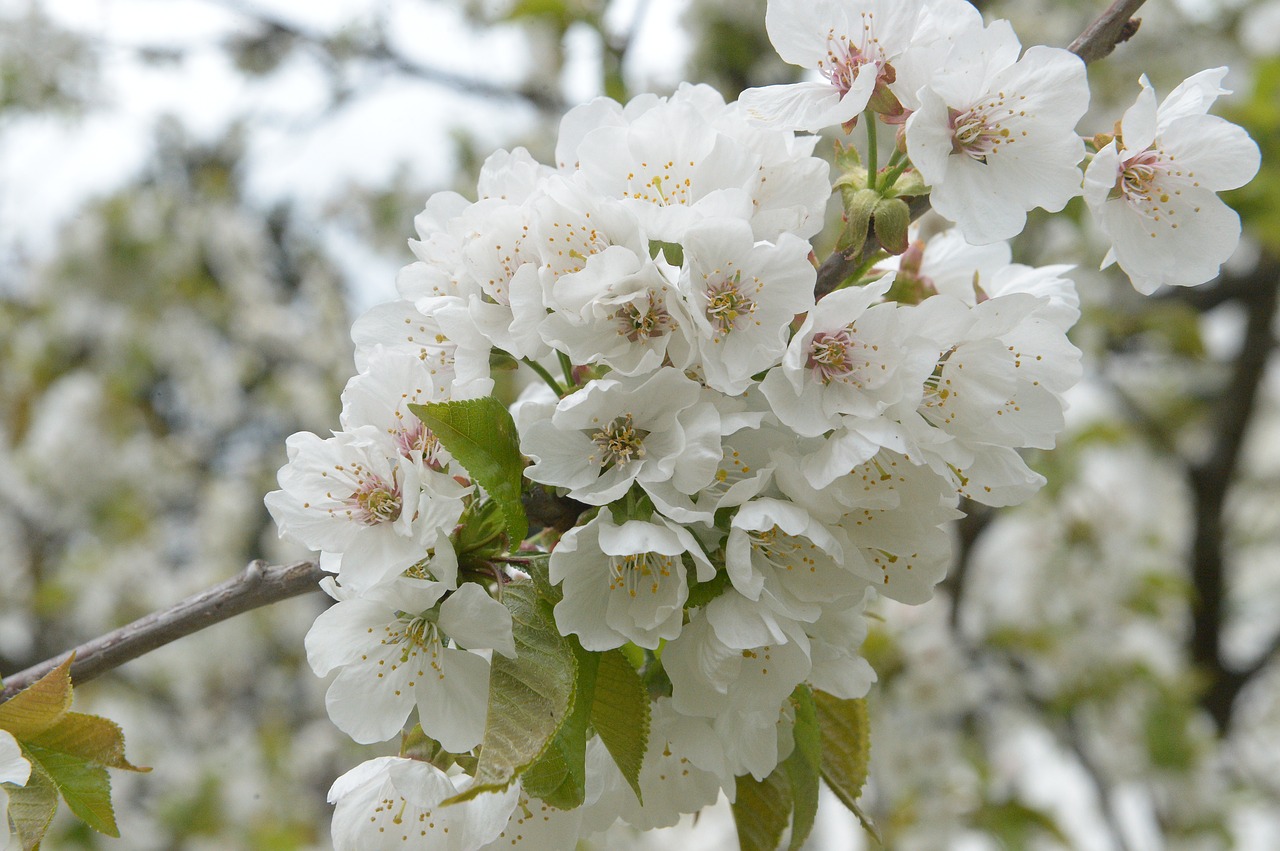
[1110,28]
[1210,483]
[1113,26]
[257,585]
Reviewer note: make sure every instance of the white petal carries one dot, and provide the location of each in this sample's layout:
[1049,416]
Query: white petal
[477,621]
[452,702]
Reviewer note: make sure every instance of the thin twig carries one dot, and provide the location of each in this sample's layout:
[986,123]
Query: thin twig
[1098,40]
[1113,26]
[257,585]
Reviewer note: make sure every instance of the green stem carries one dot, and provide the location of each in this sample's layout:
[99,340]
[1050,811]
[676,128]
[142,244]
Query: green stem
[872,142]
[544,375]
[894,171]
[855,275]
[566,366]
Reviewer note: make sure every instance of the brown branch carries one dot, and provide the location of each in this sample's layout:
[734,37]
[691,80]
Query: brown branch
[1110,28]
[1113,26]
[257,585]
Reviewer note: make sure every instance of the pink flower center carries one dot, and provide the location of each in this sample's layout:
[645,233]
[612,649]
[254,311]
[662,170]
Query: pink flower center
[1138,176]
[831,355]
[416,437]
[979,132]
[842,63]
[376,501]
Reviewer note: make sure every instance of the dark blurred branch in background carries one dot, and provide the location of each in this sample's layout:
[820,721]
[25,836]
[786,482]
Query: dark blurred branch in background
[1257,293]
[375,47]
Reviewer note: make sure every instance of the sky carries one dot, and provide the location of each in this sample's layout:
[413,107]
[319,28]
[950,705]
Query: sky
[298,148]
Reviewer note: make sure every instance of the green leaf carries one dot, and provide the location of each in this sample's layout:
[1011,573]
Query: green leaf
[40,705]
[761,810]
[803,766]
[672,252]
[482,436]
[89,738]
[32,807]
[559,777]
[846,749]
[1016,824]
[702,593]
[620,714]
[83,784]
[530,696]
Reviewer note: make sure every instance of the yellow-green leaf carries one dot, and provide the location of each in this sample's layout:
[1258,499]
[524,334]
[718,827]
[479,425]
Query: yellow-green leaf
[87,737]
[846,748]
[39,706]
[802,766]
[32,807]
[481,435]
[761,810]
[529,696]
[620,714]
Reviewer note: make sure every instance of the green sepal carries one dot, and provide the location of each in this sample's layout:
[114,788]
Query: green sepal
[892,217]
[859,206]
[481,435]
[907,184]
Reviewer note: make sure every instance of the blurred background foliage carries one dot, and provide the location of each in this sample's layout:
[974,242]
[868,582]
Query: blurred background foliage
[1098,671]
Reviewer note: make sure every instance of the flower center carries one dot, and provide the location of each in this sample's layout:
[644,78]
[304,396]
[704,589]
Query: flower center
[842,63]
[726,304]
[1138,175]
[416,437]
[376,501]
[782,551]
[632,573]
[620,442]
[634,323]
[978,133]
[830,357]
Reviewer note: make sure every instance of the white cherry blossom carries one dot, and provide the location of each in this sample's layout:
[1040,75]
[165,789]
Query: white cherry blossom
[850,45]
[616,432]
[537,826]
[994,135]
[743,296]
[356,494]
[393,803]
[1153,188]
[624,582]
[392,645]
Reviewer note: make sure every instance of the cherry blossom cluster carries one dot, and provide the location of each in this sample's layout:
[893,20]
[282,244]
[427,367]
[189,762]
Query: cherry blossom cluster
[751,465]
